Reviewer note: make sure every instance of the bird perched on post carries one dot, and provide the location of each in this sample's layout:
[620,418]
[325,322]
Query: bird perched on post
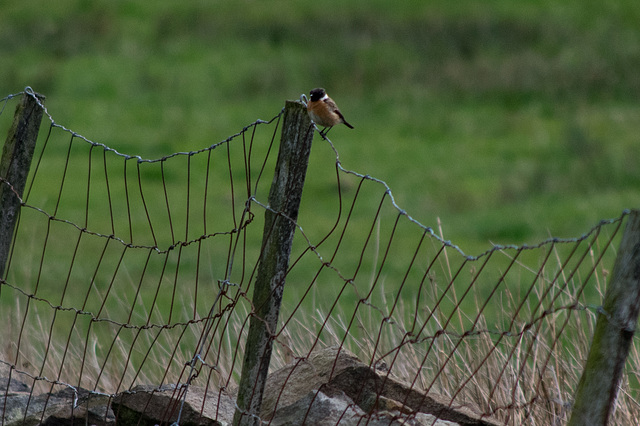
[324,111]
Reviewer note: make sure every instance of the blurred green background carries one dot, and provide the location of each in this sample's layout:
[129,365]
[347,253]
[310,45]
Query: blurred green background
[509,121]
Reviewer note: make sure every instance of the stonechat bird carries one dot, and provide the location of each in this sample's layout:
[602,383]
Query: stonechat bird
[324,111]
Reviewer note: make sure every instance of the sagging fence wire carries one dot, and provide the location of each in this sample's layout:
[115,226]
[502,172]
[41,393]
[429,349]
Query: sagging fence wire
[126,271]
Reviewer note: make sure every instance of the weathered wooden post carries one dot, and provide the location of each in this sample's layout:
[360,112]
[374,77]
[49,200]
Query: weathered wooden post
[279,228]
[14,167]
[613,335]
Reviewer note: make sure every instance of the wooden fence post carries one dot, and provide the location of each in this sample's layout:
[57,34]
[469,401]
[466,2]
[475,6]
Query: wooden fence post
[279,228]
[613,335]
[14,167]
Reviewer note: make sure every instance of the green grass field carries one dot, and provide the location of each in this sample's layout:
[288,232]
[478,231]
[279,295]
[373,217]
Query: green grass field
[493,122]
[509,122]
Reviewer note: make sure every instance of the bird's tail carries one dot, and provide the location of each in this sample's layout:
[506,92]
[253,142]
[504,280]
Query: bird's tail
[347,124]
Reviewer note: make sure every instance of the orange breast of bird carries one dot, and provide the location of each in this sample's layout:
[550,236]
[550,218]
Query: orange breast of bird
[322,114]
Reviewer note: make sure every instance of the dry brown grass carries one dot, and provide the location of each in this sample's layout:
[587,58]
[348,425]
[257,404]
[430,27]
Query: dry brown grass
[522,366]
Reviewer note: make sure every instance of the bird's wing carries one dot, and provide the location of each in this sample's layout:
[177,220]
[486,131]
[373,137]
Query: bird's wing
[332,105]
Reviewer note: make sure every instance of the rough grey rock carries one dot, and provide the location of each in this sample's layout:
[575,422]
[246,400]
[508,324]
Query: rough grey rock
[65,407]
[329,387]
[149,405]
[317,408]
[334,371]
[92,410]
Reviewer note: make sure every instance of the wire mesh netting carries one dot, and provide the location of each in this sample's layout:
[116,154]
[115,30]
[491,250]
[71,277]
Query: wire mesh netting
[127,271]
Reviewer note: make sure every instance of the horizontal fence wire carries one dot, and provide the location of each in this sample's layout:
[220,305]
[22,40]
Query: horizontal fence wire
[127,271]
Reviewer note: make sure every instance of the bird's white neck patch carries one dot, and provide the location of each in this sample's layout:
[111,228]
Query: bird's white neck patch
[325,97]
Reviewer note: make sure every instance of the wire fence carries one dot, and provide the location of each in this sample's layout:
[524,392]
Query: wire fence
[127,271]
